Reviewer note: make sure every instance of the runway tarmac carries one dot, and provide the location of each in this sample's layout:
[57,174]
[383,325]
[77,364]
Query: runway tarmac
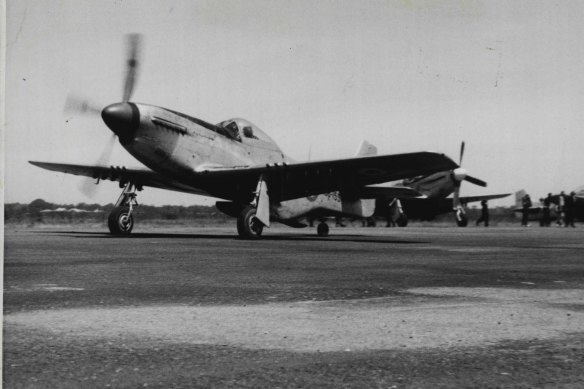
[365,307]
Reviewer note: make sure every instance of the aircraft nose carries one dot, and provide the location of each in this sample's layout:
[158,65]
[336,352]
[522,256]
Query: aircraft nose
[123,119]
[459,174]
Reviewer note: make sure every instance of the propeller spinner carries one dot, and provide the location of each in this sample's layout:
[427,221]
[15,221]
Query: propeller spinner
[123,119]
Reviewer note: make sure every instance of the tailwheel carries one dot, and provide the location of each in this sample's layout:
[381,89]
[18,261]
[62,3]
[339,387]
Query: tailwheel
[322,229]
[120,221]
[248,225]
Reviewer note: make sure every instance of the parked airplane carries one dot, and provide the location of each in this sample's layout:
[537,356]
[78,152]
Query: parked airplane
[535,213]
[237,162]
[432,200]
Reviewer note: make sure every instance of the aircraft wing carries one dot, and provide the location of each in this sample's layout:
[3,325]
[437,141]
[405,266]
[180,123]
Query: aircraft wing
[140,177]
[446,204]
[472,199]
[426,208]
[294,180]
[285,180]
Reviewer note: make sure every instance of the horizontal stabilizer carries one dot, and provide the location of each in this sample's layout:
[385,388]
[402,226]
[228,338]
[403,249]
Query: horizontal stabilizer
[472,199]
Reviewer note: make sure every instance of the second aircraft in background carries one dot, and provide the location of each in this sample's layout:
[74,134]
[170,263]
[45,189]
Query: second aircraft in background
[426,196]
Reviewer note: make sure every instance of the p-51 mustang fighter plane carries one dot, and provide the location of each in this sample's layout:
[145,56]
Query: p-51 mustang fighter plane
[433,190]
[237,162]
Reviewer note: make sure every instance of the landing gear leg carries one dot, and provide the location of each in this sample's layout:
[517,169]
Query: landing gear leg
[402,220]
[461,219]
[322,229]
[120,220]
[253,218]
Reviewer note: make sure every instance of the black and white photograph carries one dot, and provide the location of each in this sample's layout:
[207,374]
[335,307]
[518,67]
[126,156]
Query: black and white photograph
[292,194]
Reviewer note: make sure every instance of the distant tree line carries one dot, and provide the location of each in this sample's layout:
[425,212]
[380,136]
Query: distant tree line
[32,213]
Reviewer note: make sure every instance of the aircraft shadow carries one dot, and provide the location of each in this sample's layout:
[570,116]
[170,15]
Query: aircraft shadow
[160,235]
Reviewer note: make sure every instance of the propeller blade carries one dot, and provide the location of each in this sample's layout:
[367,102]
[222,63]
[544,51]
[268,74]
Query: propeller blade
[106,153]
[133,43]
[89,187]
[461,154]
[75,104]
[475,181]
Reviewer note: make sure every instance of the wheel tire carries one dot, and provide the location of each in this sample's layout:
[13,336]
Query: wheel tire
[248,226]
[462,222]
[322,229]
[402,220]
[120,221]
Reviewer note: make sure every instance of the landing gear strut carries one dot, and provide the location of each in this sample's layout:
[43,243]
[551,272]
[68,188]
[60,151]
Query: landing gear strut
[253,218]
[120,220]
[461,219]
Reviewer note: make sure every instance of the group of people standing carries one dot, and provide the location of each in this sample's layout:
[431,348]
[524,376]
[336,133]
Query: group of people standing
[564,207]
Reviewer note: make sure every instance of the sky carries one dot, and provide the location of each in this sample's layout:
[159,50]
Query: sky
[319,77]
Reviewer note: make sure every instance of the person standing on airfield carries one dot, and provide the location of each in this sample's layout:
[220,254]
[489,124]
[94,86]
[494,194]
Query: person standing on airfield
[569,210]
[484,214]
[525,205]
[547,202]
[561,209]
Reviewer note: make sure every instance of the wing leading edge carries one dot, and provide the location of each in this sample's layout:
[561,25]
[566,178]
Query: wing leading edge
[139,177]
[422,208]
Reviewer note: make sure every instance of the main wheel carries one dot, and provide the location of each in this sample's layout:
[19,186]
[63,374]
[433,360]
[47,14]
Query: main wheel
[120,221]
[402,220]
[461,220]
[248,225]
[322,229]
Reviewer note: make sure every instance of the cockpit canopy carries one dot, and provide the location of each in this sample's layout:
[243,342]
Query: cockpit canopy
[240,129]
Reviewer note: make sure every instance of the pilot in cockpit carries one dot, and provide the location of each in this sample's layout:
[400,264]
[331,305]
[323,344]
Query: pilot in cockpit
[233,131]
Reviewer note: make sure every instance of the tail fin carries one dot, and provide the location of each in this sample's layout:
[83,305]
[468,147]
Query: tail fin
[579,191]
[518,198]
[366,149]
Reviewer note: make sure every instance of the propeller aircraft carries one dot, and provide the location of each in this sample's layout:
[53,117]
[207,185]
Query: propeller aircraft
[432,196]
[236,162]
[536,213]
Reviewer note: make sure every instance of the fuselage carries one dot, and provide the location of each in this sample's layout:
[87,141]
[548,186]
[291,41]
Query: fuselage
[181,146]
[437,185]
[170,142]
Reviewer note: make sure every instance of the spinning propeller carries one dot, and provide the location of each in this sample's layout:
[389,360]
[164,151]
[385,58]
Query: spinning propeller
[460,174]
[122,117]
